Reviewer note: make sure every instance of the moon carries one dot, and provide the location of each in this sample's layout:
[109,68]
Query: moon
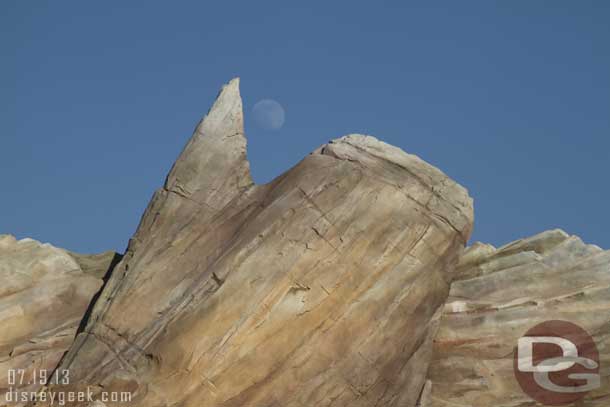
[269,114]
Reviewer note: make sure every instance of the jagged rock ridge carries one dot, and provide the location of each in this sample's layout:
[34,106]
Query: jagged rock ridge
[323,287]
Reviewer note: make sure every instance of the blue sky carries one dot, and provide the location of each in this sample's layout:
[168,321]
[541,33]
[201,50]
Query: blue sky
[510,98]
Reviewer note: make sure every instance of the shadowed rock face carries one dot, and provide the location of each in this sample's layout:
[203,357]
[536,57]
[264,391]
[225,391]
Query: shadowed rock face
[43,297]
[498,295]
[323,287]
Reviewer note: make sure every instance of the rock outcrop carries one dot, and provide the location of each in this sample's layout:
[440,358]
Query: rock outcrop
[497,296]
[43,297]
[321,288]
[343,282]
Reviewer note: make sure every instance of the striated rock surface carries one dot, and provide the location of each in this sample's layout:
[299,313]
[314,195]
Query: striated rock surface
[501,293]
[343,282]
[43,297]
[322,288]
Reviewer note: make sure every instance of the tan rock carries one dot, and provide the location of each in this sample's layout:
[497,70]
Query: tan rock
[324,287]
[43,297]
[499,295]
[97,265]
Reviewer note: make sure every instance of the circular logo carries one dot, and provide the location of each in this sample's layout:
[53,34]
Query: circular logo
[556,363]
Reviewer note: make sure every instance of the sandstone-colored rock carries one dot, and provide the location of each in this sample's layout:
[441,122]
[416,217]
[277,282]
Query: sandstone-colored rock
[97,265]
[325,287]
[322,288]
[43,297]
[497,296]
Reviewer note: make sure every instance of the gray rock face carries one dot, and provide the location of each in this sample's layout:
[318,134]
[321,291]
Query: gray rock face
[323,287]
[497,296]
[43,297]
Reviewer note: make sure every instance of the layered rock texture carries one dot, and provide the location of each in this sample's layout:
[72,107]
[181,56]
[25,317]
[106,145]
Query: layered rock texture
[501,293]
[321,288]
[343,282]
[43,297]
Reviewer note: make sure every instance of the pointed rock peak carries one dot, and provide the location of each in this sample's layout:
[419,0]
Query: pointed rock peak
[226,115]
[213,166]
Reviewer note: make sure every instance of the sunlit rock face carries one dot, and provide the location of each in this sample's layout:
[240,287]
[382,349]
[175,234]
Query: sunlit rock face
[322,288]
[501,293]
[44,294]
[343,282]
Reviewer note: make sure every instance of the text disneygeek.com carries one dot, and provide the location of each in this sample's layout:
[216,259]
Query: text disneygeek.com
[19,378]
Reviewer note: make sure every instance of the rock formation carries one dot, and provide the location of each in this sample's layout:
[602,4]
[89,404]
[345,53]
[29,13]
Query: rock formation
[497,296]
[43,297]
[323,287]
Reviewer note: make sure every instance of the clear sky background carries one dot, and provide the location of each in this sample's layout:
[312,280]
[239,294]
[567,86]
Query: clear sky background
[510,98]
